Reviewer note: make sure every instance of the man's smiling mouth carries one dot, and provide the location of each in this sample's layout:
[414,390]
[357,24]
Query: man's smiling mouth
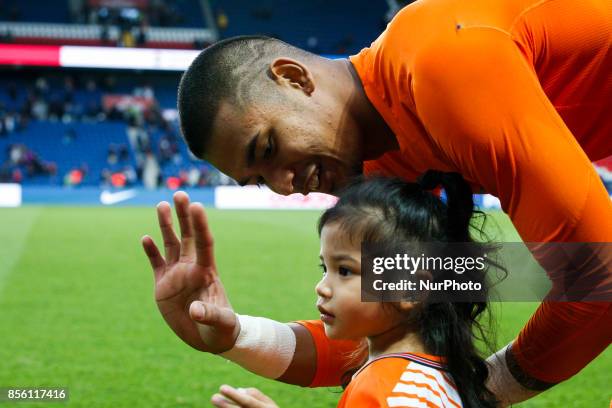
[313,182]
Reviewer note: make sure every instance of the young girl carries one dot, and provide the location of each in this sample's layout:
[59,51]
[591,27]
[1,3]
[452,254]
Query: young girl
[419,354]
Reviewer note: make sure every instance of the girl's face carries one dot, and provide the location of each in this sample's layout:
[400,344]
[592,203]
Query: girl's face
[343,313]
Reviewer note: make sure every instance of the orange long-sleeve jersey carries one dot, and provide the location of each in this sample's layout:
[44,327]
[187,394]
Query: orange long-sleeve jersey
[516,96]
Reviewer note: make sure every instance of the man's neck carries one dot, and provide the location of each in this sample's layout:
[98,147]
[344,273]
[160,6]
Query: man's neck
[378,138]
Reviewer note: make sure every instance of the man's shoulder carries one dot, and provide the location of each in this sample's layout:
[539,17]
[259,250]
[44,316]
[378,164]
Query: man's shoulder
[424,39]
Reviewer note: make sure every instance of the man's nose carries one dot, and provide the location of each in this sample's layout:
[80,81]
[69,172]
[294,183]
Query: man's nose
[280,180]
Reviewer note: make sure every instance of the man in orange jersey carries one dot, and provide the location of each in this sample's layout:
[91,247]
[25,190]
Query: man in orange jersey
[512,95]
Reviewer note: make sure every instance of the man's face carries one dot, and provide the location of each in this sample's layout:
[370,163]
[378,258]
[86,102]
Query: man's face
[299,145]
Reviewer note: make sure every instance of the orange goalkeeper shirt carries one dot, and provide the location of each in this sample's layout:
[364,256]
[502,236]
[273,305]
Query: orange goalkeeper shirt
[516,95]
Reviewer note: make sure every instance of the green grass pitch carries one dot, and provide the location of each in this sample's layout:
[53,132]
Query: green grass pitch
[77,309]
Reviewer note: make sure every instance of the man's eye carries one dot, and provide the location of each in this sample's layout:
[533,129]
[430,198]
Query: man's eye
[269,148]
[342,271]
[260,181]
[323,268]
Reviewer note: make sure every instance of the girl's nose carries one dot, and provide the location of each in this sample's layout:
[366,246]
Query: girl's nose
[323,289]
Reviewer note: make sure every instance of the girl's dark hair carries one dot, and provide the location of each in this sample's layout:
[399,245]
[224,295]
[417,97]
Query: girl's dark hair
[383,210]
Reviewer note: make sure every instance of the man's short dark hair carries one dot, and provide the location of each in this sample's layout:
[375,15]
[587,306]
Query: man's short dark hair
[230,70]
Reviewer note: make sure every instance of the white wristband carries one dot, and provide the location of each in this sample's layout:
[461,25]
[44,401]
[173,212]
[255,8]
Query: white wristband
[503,384]
[264,346]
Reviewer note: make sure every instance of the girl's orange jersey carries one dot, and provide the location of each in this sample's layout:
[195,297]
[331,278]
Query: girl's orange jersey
[402,380]
[392,380]
[516,95]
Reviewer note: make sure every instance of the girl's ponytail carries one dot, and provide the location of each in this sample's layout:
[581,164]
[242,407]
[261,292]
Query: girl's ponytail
[451,330]
[460,203]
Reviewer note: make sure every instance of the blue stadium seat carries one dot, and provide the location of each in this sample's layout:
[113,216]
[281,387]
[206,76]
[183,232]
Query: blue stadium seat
[294,22]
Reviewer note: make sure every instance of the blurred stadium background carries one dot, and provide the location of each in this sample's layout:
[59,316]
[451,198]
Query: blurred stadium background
[88,123]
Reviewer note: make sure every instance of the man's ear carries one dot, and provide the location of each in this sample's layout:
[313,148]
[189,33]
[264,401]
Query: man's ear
[293,73]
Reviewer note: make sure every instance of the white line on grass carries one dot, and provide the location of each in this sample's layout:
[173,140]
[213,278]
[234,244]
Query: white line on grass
[14,231]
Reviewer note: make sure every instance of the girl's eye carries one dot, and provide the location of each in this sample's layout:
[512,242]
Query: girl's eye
[342,271]
[323,268]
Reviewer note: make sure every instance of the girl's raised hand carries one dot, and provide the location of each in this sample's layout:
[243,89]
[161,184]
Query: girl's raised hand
[230,397]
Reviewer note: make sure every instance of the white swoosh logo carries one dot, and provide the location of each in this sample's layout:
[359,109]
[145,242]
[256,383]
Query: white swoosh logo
[108,198]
